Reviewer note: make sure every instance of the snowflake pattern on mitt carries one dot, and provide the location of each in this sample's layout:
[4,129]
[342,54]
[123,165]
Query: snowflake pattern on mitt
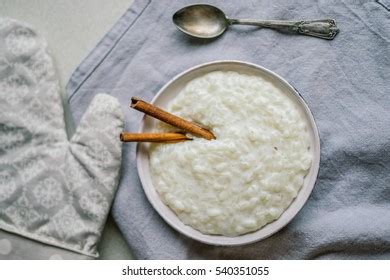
[53,190]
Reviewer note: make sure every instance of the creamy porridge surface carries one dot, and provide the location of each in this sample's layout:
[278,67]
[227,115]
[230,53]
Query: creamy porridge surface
[251,173]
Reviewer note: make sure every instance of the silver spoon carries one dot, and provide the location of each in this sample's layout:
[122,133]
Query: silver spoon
[206,21]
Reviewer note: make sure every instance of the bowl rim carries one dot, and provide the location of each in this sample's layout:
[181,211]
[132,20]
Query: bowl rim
[221,240]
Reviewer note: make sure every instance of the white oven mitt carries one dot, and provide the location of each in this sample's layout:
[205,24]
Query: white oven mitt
[53,191]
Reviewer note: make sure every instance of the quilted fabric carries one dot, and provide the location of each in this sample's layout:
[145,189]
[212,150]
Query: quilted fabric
[52,190]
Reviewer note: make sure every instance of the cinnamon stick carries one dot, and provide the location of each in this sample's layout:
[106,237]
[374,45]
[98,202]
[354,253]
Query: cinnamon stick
[153,137]
[164,116]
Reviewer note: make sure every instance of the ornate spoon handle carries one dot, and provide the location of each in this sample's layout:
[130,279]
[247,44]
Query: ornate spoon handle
[325,28]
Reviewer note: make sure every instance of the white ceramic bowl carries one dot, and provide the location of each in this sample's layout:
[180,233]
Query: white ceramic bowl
[169,92]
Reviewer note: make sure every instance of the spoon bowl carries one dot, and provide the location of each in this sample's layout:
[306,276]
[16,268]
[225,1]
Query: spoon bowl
[202,21]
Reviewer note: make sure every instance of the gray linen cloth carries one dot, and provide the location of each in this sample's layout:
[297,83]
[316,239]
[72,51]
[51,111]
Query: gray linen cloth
[345,83]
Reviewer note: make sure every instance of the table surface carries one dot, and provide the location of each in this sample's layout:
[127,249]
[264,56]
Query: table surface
[72,28]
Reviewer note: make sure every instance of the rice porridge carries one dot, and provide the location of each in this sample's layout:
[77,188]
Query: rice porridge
[251,173]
